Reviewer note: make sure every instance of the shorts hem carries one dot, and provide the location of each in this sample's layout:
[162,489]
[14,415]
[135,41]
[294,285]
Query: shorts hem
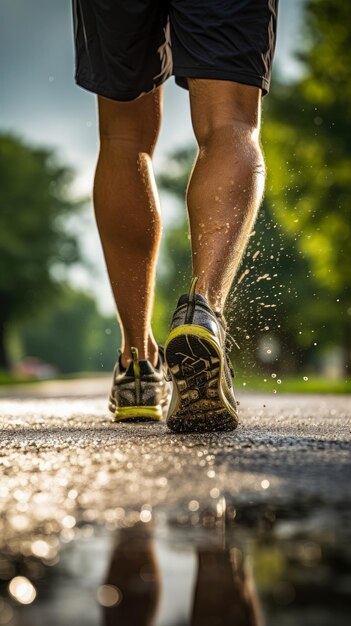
[182,73]
[120,96]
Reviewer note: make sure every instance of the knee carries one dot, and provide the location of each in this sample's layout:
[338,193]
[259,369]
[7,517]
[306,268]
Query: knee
[225,112]
[127,141]
[228,133]
[130,126]
[226,115]
[232,140]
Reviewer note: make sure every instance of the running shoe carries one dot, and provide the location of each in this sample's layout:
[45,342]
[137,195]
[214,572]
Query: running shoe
[196,354]
[139,392]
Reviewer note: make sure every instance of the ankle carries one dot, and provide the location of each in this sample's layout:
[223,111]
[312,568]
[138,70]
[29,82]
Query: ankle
[213,297]
[150,353]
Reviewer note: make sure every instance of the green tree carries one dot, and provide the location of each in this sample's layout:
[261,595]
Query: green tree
[71,334]
[34,242]
[308,149]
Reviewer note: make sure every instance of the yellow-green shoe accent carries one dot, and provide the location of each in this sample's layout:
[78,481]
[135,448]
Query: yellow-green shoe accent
[195,354]
[131,413]
[139,392]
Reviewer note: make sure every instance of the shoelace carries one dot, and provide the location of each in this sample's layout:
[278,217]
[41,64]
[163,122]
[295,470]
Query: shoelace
[230,342]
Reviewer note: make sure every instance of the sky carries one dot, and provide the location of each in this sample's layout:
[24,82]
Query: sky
[40,101]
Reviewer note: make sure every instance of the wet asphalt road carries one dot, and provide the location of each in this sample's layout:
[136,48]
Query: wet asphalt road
[279,485]
[61,454]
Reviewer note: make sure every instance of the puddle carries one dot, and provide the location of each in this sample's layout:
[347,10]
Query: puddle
[200,564]
[109,526]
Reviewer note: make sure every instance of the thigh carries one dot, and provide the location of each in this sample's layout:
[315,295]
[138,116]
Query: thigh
[136,123]
[224,40]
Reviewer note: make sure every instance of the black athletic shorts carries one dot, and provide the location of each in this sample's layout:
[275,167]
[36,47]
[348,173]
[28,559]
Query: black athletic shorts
[125,48]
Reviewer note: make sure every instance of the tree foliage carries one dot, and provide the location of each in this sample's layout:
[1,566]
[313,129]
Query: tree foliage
[307,138]
[72,335]
[34,241]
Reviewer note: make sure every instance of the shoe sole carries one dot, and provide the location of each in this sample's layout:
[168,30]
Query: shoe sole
[196,365]
[137,413]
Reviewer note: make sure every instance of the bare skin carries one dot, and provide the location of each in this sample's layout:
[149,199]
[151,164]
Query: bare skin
[127,213]
[227,181]
[223,197]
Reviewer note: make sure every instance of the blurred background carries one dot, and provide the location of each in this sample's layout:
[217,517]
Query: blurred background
[290,306]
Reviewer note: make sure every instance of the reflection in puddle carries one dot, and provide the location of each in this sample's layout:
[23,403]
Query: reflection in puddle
[223,592]
[198,565]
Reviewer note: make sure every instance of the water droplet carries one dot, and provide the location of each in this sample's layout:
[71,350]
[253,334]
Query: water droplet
[22,590]
[145,516]
[108,595]
[69,521]
[40,548]
[214,493]
[193,505]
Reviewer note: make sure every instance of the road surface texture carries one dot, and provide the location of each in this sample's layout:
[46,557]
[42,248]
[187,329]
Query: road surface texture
[300,445]
[66,471]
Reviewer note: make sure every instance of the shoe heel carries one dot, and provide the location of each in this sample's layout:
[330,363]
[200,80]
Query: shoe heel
[195,363]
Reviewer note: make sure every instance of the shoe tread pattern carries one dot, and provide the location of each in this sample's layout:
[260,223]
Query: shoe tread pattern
[196,367]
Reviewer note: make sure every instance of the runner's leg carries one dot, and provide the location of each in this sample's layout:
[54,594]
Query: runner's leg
[127,213]
[134,572]
[227,181]
[233,599]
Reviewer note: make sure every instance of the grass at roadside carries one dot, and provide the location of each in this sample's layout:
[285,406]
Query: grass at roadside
[253,383]
[7,378]
[292,384]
